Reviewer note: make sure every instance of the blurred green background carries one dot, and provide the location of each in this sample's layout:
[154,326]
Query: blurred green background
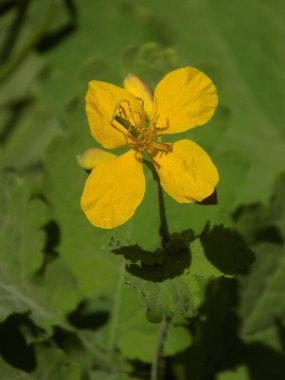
[67,310]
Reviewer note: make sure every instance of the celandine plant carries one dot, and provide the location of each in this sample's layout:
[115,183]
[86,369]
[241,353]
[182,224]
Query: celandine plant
[133,117]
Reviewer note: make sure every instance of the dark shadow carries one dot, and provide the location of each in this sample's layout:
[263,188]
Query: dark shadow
[71,8]
[82,318]
[52,241]
[52,238]
[67,341]
[53,38]
[162,264]
[255,209]
[263,362]
[211,200]
[256,224]
[223,247]
[226,250]
[217,346]
[13,346]
[7,5]
[140,370]
[269,234]
[135,253]
[215,333]
[280,326]
[17,110]
[219,321]
[277,200]
[14,30]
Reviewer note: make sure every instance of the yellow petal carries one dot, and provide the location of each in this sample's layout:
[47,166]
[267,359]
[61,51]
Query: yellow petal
[138,88]
[101,101]
[184,99]
[187,173]
[113,191]
[93,157]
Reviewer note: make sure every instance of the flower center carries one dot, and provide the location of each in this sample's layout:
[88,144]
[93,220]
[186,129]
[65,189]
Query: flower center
[140,133]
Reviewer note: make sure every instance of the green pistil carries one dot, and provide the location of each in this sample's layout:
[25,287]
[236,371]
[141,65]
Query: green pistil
[127,125]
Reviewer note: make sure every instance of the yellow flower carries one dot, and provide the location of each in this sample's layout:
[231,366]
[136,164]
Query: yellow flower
[183,99]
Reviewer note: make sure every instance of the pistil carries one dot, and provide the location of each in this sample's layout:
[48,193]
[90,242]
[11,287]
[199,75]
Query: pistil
[126,124]
[140,134]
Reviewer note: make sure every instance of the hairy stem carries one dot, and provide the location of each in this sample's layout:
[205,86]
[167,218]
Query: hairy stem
[115,313]
[163,229]
[157,364]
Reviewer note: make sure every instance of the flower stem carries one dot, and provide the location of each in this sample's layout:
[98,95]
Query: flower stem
[115,313]
[157,364]
[163,229]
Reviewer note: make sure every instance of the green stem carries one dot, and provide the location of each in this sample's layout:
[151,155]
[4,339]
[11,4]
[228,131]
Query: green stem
[163,228]
[115,313]
[157,364]
[15,60]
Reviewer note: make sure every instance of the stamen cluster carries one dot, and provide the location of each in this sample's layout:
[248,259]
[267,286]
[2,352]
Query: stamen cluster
[140,133]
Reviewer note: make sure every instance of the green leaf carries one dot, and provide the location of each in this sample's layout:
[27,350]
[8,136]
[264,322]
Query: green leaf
[22,242]
[21,235]
[133,327]
[51,364]
[25,74]
[226,55]
[200,264]
[262,306]
[175,283]
[248,121]
[173,296]
[84,247]
[150,62]
[278,204]
[226,250]
[262,297]
[36,125]
[240,374]
[127,326]
[102,375]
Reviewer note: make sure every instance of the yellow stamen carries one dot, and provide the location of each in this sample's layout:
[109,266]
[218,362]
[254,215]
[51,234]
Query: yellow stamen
[140,133]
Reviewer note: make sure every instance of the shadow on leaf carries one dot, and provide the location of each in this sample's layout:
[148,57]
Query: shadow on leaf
[85,319]
[217,346]
[223,248]
[14,348]
[5,6]
[226,250]
[163,263]
[14,28]
[55,37]
[256,224]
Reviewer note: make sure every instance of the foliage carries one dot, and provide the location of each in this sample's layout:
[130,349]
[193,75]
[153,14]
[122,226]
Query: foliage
[80,303]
